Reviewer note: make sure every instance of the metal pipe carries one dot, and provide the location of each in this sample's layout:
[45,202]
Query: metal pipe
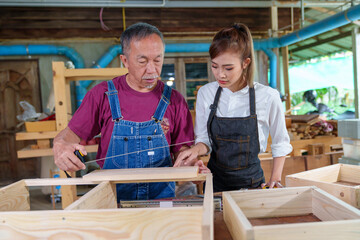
[24,50]
[272,65]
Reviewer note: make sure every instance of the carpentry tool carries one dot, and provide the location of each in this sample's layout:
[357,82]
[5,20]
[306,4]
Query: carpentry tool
[124,154]
[80,155]
[267,187]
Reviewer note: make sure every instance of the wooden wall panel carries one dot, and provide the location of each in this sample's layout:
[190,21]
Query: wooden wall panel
[26,23]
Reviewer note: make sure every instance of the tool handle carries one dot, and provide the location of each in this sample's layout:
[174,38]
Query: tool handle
[80,155]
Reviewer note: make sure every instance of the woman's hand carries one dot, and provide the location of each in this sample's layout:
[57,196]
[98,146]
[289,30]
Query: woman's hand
[190,156]
[272,184]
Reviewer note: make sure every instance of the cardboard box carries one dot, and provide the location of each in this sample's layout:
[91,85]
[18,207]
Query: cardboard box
[260,214]
[340,180]
[41,126]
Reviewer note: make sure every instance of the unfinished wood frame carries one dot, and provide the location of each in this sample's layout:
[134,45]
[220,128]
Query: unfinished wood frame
[338,219]
[340,180]
[96,215]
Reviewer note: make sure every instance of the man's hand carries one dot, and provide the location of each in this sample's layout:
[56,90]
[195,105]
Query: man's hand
[65,144]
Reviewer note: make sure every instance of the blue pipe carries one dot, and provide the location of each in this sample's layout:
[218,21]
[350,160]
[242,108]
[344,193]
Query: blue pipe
[273,65]
[337,20]
[21,50]
[322,26]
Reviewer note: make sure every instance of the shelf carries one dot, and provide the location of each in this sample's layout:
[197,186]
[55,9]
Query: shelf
[35,135]
[28,152]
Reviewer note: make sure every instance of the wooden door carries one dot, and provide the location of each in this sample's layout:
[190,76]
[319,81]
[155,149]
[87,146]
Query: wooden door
[19,80]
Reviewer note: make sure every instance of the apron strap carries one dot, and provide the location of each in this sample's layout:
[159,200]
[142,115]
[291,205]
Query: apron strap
[113,97]
[213,108]
[252,101]
[163,104]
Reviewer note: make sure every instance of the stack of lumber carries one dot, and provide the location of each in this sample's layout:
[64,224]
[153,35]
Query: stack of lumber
[310,126]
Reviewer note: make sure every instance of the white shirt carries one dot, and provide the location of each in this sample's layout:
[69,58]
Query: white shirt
[269,110]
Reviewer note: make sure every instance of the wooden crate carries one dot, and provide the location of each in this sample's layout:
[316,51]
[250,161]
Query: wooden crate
[335,219]
[340,180]
[95,215]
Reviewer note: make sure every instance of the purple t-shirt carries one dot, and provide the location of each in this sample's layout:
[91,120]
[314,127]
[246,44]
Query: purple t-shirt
[94,114]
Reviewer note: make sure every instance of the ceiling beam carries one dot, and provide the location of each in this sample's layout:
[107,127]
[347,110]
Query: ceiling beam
[323,41]
[169,3]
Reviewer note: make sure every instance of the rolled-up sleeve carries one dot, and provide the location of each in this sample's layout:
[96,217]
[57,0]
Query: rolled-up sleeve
[280,145]
[202,114]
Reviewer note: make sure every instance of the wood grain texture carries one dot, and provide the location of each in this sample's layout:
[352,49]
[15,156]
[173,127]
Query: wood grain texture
[350,173]
[147,223]
[138,174]
[328,208]
[324,174]
[347,229]
[341,220]
[274,202]
[103,196]
[329,179]
[14,197]
[236,221]
[208,213]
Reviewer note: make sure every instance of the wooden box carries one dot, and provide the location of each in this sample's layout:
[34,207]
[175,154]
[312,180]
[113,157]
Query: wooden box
[340,180]
[41,126]
[309,213]
[96,216]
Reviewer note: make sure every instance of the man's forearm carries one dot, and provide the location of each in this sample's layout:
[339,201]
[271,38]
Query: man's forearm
[66,135]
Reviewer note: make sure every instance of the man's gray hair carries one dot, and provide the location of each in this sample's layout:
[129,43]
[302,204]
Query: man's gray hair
[137,32]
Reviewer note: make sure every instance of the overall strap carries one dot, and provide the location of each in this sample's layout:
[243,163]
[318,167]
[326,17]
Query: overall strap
[163,104]
[213,108]
[113,97]
[252,101]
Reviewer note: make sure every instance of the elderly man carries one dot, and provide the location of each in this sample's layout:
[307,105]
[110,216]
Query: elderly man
[134,113]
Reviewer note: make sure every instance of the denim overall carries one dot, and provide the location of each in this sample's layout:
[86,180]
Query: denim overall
[234,160]
[129,137]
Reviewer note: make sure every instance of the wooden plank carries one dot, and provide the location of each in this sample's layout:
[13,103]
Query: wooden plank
[317,161]
[81,181]
[103,196]
[58,182]
[208,210]
[144,223]
[93,73]
[27,152]
[236,221]
[324,174]
[344,193]
[68,192]
[335,230]
[274,202]
[15,197]
[328,208]
[138,174]
[60,95]
[35,135]
[303,144]
[349,173]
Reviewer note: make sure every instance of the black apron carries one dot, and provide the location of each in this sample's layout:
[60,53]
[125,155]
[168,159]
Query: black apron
[234,160]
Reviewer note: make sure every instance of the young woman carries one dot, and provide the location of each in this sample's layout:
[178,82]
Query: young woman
[234,116]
